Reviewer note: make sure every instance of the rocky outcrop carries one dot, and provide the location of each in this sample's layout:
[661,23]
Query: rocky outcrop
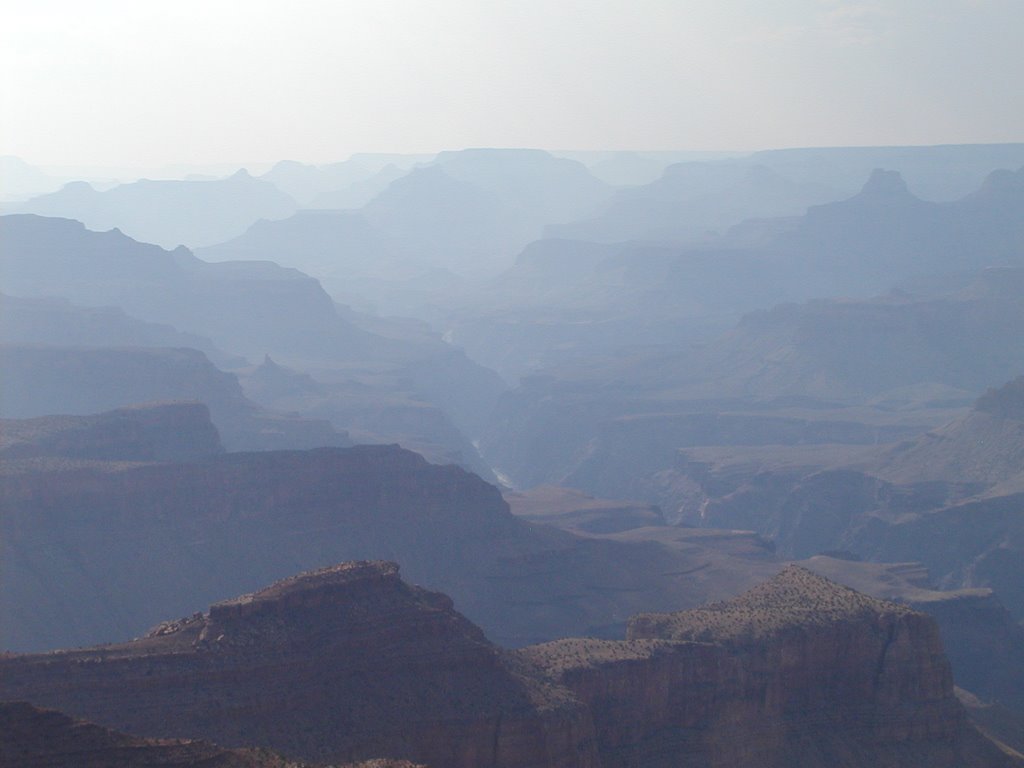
[796,672]
[154,432]
[350,663]
[38,738]
[984,643]
[342,664]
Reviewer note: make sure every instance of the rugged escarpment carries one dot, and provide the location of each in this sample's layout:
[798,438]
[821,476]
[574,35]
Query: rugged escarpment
[796,672]
[346,663]
[350,663]
[155,432]
[95,556]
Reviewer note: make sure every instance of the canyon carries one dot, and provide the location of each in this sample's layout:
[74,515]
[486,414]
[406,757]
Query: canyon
[351,663]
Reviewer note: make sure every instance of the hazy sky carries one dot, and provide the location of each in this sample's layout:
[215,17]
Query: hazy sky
[141,82]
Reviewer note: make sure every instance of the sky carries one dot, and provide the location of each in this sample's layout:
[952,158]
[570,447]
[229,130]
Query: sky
[111,82]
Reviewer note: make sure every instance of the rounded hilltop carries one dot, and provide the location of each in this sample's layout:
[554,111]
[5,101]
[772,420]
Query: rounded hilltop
[340,574]
[793,598]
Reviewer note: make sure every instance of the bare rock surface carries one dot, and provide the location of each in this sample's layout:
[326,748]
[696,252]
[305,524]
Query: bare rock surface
[350,663]
[343,664]
[798,671]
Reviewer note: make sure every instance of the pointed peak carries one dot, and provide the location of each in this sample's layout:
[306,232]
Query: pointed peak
[1002,181]
[1005,402]
[885,184]
[270,367]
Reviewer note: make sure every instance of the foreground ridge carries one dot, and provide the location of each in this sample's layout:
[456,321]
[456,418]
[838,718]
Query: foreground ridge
[793,598]
[349,663]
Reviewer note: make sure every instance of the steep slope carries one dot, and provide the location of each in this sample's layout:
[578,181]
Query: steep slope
[340,664]
[984,448]
[984,643]
[251,308]
[91,555]
[20,180]
[796,672]
[349,662]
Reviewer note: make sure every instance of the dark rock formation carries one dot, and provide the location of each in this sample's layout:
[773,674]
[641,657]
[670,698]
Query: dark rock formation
[38,738]
[984,643]
[157,432]
[92,555]
[346,663]
[797,672]
[351,663]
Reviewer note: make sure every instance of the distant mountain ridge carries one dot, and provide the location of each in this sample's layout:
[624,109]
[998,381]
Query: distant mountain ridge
[40,381]
[169,213]
[252,308]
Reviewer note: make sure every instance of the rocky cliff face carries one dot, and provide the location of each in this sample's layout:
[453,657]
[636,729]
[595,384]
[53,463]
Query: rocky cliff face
[797,672]
[157,432]
[346,663]
[350,663]
[95,556]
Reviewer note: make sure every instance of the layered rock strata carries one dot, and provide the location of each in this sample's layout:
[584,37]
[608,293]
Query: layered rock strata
[350,663]
[797,672]
[343,664]
[173,431]
[92,555]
